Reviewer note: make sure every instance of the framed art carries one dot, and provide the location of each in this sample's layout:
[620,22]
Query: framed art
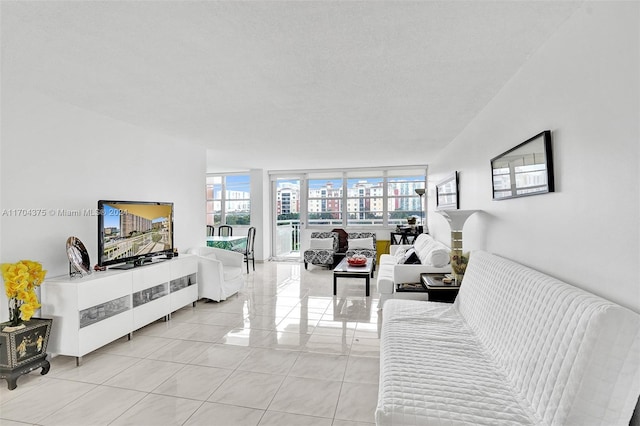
[524,170]
[447,193]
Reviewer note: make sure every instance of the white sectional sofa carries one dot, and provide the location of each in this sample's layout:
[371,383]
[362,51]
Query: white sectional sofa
[434,258]
[517,347]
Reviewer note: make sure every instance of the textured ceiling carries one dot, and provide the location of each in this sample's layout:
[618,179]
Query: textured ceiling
[280,85]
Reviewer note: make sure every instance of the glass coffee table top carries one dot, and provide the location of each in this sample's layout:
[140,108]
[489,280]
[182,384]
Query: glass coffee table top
[344,266]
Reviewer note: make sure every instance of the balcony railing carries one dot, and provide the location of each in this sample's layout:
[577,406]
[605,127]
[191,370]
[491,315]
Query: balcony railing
[287,238]
[288,232]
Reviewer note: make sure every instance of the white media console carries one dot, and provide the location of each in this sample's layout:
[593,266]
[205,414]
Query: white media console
[94,310]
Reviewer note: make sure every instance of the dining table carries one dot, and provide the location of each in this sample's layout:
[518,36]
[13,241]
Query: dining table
[228,242]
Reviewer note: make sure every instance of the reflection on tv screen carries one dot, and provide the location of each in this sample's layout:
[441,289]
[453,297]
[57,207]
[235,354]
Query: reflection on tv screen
[132,230]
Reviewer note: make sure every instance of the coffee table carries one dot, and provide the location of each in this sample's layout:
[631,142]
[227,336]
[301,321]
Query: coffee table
[344,270]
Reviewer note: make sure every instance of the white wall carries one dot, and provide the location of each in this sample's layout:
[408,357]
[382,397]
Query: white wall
[260,213]
[583,85]
[56,156]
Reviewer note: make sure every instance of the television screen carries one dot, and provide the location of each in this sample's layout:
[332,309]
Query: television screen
[131,231]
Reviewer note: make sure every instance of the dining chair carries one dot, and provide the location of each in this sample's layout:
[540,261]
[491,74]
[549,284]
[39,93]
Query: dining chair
[247,251]
[211,231]
[225,231]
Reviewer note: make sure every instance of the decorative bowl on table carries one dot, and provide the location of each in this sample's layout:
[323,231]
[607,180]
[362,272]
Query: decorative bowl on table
[357,260]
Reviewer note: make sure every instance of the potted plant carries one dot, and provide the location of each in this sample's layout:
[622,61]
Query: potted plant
[20,282]
[23,339]
[459,261]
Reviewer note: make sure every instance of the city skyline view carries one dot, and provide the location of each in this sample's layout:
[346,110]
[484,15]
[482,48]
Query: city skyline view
[126,234]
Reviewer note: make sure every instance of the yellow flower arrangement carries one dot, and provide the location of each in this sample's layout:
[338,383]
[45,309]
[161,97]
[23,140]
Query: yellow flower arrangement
[20,281]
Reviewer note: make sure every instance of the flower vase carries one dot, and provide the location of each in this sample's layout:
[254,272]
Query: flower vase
[459,261]
[15,322]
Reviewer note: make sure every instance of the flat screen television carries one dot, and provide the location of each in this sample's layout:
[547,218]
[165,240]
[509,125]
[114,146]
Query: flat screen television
[132,232]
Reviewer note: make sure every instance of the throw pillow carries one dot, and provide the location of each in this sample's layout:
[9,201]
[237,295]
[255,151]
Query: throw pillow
[360,243]
[413,259]
[439,258]
[400,255]
[409,254]
[321,243]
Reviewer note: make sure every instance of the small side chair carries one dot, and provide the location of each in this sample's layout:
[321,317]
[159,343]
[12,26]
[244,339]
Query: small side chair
[247,251]
[362,243]
[322,248]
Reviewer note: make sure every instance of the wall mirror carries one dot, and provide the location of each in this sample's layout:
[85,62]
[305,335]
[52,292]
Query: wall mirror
[447,194]
[526,169]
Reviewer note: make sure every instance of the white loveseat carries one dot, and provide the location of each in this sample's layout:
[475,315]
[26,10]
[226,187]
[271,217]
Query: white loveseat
[433,256]
[220,272]
[517,347]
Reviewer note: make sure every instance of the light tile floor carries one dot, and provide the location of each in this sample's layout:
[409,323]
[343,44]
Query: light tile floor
[284,351]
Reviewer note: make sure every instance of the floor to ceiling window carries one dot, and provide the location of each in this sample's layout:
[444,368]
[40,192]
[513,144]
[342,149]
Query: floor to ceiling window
[324,200]
[228,199]
[365,198]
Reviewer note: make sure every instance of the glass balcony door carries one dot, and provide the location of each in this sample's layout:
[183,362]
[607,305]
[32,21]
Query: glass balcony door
[286,206]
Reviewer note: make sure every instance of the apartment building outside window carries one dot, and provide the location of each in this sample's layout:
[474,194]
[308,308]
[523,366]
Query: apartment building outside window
[402,200]
[324,202]
[365,201]
[228,199]
[373,198]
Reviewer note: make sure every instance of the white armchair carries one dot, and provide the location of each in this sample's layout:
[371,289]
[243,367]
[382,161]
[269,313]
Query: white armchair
[219,272]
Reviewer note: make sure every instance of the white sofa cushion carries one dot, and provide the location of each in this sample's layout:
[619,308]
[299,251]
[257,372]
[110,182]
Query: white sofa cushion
[433,371]
[438,257]
[399,255]
[431,252]
[360,243]
[321,243]
[387,259]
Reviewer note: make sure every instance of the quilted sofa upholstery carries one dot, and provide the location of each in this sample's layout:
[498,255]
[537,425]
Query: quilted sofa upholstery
[516,347]
[429,251]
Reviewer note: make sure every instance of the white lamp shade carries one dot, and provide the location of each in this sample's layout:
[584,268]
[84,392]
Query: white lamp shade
[457,218]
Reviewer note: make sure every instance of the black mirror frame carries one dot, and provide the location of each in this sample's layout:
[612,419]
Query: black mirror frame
[548,156]
[441,193]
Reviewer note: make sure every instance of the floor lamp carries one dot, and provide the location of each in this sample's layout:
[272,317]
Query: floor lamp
[459,259]
[420,192]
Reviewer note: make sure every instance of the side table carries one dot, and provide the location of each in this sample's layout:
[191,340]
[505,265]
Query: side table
[438,290]
[411,291]
[24,349]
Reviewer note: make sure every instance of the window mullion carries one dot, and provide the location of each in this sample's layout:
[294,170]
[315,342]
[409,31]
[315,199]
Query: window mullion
[385,202]
[345,204]
[223,201]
